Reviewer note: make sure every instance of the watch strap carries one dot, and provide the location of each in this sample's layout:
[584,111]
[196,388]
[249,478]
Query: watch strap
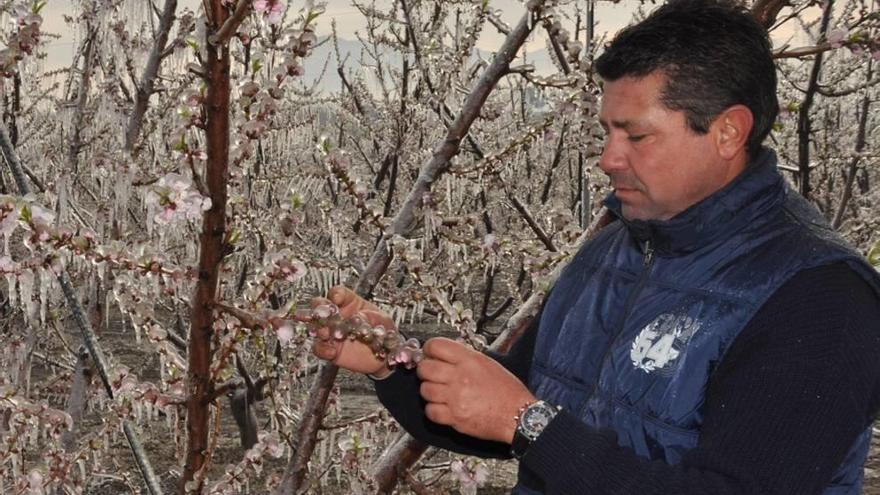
[519,445]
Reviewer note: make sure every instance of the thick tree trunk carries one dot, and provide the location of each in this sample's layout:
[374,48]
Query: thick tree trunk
[198,380]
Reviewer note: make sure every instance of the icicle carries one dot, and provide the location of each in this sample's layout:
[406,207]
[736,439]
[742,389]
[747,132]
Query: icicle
[26,292]
[45,282]
[10,280]
[62,205]
[162,367]
[397,316]
[108,300]
[149,218]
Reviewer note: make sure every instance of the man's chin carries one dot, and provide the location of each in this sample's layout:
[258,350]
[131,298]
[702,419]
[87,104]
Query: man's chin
[631,212]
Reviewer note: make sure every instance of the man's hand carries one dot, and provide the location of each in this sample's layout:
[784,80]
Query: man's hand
[470,391]
[348,354]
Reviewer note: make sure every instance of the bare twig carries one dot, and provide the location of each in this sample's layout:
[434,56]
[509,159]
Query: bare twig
[227,30]
[861,134]
[148,79]
[766,11]
[804,122]
[524,212]
[803,51]
[76,143]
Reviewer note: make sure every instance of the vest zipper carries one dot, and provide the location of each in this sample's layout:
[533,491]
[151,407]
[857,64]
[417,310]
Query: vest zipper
[647,263]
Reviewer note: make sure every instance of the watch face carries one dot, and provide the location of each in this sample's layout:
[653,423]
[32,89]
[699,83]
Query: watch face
[535,418]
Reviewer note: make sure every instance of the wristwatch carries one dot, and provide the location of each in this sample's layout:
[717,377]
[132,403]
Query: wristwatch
[530,422]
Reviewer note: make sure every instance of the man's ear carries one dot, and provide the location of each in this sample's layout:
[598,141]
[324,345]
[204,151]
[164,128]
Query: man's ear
[731,130]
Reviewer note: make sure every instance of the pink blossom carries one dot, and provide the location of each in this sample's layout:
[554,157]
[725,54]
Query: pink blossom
[175,199]
[272,9]
[285,333]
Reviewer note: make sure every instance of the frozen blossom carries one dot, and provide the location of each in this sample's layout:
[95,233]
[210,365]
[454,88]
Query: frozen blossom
[272,9]
[471,474]
[174,199]
[285,333]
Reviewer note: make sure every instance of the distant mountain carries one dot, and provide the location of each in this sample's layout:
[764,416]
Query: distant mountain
[352,51]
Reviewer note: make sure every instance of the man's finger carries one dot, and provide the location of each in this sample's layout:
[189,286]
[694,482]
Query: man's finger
[344,297]
[375,318]
[327,350]
[438,413]
[432,370]
[434,392]
[346,300]
[445,349]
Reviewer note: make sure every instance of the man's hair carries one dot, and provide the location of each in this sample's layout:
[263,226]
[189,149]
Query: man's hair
[714,54]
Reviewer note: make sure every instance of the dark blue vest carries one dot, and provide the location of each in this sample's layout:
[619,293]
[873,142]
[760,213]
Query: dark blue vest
[643,313]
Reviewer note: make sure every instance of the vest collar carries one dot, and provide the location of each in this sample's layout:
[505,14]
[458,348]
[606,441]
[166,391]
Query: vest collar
[759,188]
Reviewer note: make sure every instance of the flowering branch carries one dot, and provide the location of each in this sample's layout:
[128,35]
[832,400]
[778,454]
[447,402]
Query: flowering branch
[84,326]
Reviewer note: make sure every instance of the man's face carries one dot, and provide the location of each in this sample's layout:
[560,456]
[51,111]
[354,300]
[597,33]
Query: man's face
[657,165]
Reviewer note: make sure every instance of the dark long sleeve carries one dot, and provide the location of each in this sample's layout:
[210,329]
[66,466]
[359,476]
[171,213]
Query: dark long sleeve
[793,392]
[399,393]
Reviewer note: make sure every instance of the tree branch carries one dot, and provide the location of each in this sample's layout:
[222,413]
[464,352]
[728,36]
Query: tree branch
[861,135]
[148,79]
[803,51]
[766,11]
[804,123]
[227,30]
[524,212]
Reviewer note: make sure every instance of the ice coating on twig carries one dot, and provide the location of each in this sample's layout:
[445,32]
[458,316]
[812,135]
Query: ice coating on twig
[387,344]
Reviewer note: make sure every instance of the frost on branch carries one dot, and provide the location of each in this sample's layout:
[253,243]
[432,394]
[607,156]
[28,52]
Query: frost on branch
[24,37]
[387,344]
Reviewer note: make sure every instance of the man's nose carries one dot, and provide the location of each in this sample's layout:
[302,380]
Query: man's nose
[612,157]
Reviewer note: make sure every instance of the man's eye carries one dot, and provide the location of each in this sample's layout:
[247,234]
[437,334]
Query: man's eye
[637,138]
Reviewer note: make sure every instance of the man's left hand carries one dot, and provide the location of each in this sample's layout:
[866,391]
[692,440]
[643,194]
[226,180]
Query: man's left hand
[470,391]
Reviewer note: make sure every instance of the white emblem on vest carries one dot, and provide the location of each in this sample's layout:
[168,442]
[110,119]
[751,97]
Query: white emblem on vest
[662,341]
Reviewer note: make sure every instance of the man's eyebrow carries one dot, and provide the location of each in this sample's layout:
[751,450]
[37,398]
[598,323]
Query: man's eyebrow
[618,124]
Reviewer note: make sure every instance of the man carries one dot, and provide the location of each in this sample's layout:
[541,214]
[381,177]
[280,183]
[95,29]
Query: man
[718,338]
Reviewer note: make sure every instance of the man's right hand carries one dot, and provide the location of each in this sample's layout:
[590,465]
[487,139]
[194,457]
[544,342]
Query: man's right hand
[351,354]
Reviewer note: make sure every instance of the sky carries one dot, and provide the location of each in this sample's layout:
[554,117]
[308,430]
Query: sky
[610,17]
